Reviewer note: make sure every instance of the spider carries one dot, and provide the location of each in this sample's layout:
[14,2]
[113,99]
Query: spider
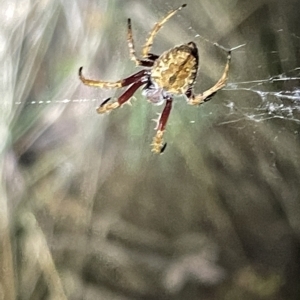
[172,73]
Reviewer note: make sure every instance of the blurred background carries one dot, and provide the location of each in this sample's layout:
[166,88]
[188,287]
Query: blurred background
[88,212]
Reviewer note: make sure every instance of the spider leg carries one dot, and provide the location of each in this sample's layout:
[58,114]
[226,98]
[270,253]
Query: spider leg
[157,26]
[157,144]
[107,84]
[152,56]
[207,95]
[139,62]
[106,107]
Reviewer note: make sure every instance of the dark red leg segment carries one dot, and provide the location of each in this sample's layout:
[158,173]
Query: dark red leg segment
[157,144]
[165,115]
[106,107]
[134,77]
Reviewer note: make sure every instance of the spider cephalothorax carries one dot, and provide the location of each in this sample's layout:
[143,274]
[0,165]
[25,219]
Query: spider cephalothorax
[172,73]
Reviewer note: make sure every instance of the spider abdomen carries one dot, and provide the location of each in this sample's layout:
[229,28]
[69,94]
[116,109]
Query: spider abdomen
[176,69]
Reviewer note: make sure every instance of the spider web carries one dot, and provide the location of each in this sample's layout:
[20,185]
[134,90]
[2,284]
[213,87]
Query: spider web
[278,93]
[43,45]
[275,96]
[256,91]
[277,101]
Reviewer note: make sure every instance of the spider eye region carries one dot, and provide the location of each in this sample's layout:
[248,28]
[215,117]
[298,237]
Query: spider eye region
[175,70]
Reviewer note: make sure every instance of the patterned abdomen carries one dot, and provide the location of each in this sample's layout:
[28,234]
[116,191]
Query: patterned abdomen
[176,69]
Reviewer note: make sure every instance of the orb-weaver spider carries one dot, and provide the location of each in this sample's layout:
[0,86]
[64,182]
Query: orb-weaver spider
[172,73]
